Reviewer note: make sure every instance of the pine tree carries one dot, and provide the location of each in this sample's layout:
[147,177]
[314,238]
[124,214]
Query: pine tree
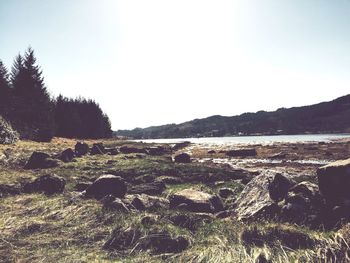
[5,92]
[33,108]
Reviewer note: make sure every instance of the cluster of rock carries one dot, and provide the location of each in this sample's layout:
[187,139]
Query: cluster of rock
[7,134]
[275,196]
[41,160]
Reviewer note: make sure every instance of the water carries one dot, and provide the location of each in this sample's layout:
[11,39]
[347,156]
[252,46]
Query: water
[255,139]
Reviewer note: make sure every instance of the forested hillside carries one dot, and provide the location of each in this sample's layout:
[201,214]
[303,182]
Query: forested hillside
[325,117]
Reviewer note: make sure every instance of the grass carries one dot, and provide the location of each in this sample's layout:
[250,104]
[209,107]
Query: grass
[67,228]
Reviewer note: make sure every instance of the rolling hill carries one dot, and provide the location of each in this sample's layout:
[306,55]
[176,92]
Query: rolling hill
[325,117]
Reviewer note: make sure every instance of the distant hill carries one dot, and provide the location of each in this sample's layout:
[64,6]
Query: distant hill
[325,117]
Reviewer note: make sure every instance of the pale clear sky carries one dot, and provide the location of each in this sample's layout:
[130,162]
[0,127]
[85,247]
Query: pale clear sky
[157,62]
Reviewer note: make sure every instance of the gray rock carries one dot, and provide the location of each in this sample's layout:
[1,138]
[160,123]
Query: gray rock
[107,185]
[255,200]
[40,160]
[334,182]
[97,148]
[182,158]
[48,184]
[303,204]
[196,201]
[143,202]
[279,186]
[67,155]
[81,148]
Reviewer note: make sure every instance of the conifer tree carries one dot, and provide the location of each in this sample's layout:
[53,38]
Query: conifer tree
[5,92]
[33,108]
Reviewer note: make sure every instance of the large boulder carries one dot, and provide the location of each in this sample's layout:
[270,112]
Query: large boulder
[241,152]
[303,204]
[196,201]
[182,158]
[48,184]
[279,186]
[7,134]
[81,148]
[107,185]
[40,160]
[334,182]
[259,198]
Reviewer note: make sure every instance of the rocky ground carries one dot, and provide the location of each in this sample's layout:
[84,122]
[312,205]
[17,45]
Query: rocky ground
[123,201]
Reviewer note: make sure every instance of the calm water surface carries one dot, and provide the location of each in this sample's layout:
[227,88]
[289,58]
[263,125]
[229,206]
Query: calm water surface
[255,139]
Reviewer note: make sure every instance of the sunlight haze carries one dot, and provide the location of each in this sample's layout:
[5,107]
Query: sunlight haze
[157,62]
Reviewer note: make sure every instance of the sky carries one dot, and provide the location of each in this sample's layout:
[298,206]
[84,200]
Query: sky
[163,61]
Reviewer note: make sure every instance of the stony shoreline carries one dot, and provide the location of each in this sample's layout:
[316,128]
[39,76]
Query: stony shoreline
[115,200]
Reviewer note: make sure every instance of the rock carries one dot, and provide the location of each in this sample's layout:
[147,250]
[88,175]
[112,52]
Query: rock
[180,145]
[182,158]
[81,148]
[82,186]
[146,202]
[303,205]
[196,201]
[334,182]
[127,149]
[40,160]
[155,188]
[112,151]
[162,242]
[225,192]
[111,202]
[157,150]
[107,185]
[255,200]
[48,184]
[67,155]
[7,134]
[169,180]
[279,187]
[211,152]
[10,189]
[241,153]
[97,148]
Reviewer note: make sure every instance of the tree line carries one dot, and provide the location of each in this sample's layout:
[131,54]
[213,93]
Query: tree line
[26,103]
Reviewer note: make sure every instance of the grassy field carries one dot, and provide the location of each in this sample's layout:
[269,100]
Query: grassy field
[67,228]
